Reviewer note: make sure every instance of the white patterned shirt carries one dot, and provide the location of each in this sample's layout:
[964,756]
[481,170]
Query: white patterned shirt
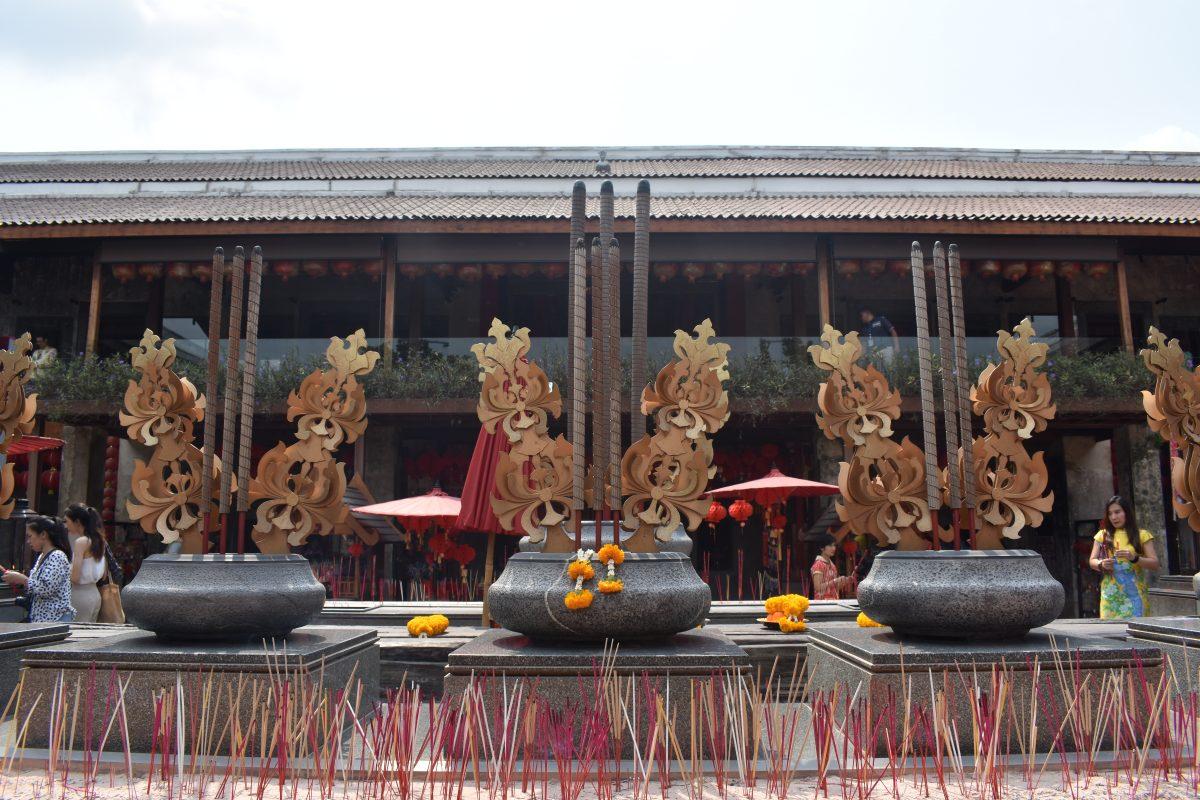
[49,588]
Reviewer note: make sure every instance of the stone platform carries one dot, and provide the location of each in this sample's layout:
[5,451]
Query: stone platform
[880,666]
[18,637]
[1173,596]
[565,674]
[1179,639]
[238,676]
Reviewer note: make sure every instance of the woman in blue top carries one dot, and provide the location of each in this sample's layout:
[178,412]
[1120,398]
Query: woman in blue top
[48,584]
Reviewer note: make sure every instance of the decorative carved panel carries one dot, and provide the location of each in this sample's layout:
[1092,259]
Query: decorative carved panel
[1173,412]
[17,410]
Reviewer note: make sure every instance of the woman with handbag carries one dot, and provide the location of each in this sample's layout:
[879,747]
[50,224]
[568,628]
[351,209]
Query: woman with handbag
[48,585]
[87,560]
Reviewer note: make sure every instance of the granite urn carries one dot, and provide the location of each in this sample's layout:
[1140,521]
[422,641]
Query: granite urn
[663,596]
[967,594]
[223,598]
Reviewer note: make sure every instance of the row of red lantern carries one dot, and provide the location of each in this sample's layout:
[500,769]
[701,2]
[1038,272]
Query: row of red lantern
[108,505]
[284,270]
[49,462]
[442,546]
[1012,270]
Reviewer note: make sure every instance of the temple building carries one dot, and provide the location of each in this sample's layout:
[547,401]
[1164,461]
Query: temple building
[423,248]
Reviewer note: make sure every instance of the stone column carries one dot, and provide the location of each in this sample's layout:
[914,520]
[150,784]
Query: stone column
[75,480]
[829,457]
[382,445]
[1140,479]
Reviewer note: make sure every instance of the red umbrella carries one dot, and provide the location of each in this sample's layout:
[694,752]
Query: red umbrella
[417,513]
[31,444]
[775,487]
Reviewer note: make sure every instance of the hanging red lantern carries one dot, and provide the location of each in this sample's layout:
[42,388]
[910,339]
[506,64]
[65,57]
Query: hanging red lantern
[373,268]
[749,269]
[693,271]
[665,271]
[464,554]
[355,549]
[778,522]
[52,458]
[285,270]
[202,271]
[802,268]
[179,270]
[1015,270]
[1068,270]
[150,272]
[988,268]
[123,272]
[1042,269]
[900,267]
[741,511]
[777,269]
[470,272]
[494,270]
[315,269]
[846,267]
[849,546]
[875,267]
[411,271]
[443,270]
[1097,269]
[716,513]
[343,269]
[524,269]
[555,270]
[49,480]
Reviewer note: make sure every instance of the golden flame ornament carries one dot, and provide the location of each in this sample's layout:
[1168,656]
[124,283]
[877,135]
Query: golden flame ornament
[1173,412]
[17,410]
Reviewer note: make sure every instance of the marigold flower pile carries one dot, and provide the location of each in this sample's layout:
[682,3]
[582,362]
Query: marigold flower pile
[610,555]
[788,610]
[866,622]
[580,569]
[432,625]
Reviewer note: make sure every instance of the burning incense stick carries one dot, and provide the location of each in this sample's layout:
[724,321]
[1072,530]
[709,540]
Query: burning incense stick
[614,394]
[578,224]
[232,374]
[947,336]
[964,392]
[609,361]
[211,390]
[250,370]
[921,305]
[578,327]
[641,277]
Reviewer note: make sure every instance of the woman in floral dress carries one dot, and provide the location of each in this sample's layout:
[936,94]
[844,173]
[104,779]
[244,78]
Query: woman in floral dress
[827,583]
[1122,560]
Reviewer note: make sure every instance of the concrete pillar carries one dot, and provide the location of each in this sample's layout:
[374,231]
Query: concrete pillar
[830,454]
[1140,479]
[382,444]
[1089,476]
[75,480]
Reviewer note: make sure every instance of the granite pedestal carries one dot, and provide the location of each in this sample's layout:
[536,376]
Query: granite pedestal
[1179,639]
[564,674]
[15,639]
[239,677]
[885,669]
[1174,596]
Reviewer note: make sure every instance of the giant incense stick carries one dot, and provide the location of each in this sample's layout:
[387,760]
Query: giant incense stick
[249,374]
[211,390]
[614,394]
[947,336]
[641,278]
[578,329]
[921,306]
[599,382]
[232,374]
[964,392]
[578,222]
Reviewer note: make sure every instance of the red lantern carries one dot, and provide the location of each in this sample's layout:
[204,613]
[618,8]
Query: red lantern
[150,272]
[1068,270]
[523,269]
[899,267]
[494,270]
[470,272]
[988,268]
[355,549]
[464,554]
[52,458]
[343,269]
[720,269]
[665,271]
[1097,269]
[741,511]
[443,270]
[875,267]
[555,270]
[716,513]
[750,269]
[49,480]
[802,268]
[411,271]
[286,270]
[180,270]
[1042,269]
[777,269]
[778,522]
[849,546]
[693,271]
[846,267]
[1015,270]
[21,479]
[202,271]
[374,268]
[315,269]
[123,272]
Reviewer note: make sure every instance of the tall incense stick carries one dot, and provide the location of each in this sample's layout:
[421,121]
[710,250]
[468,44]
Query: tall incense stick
[211,389]
[614,393]
[641,279]
[249,374]
[609,360]
[946,337]
[599,381]
[578,224]
[964,390]
[232,374]
[921,306]
[578,323]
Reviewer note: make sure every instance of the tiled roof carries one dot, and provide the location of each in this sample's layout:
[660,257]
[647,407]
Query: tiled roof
[1154,209]
[29,171]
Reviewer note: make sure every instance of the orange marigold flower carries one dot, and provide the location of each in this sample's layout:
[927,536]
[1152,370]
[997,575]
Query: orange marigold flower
[866,622]
[611,587]
[578,600]
[794,605]
[610,552]
[789,625]
[581,569]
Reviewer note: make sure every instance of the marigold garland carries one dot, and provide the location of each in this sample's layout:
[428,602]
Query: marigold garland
[580,569]
[429,626]
[578,599]
[611,586]
[610,555]
[866,622]
[787,610]
[789,625]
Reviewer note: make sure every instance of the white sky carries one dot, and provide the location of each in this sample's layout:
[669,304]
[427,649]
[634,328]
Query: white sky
[220,74]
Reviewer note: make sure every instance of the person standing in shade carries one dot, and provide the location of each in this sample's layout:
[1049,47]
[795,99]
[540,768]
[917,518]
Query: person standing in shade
[878,334]
[827,584]
[43,353]
[1122,553]
[48,584]
[88,563]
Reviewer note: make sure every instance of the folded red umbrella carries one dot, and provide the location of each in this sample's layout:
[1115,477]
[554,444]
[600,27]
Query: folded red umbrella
[477,514]
[32,444]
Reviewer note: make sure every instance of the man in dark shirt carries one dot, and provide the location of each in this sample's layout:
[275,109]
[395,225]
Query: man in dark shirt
[874,332]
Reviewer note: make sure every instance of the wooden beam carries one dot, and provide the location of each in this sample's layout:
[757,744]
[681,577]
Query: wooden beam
[1123,305]
[824,284]
[797,305]
[1066,307]
[93,319]
[389,297]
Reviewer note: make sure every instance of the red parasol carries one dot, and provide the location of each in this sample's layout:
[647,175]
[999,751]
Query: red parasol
[477,515]
[32,444]
[775,487]
[418,513]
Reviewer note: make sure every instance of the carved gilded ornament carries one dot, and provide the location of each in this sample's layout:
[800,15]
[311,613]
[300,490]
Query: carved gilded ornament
[17,410]
[301,485]
[1173,412]
[1014,400]
[883,483]
[161,411]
